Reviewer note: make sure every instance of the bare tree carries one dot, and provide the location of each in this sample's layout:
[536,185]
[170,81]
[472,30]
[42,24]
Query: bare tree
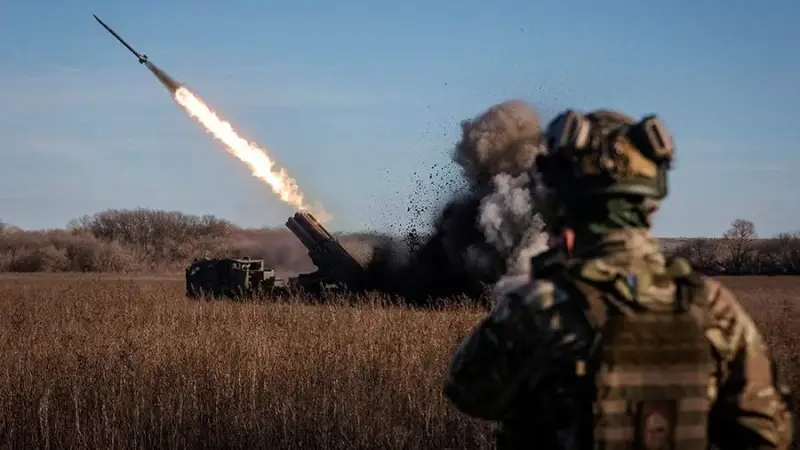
[739,240]
[783,253]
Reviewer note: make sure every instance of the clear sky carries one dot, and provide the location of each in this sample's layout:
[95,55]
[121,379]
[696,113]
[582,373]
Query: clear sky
[354,96]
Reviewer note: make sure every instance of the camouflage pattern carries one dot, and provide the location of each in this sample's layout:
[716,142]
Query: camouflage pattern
[651,378]
[616,155]
[509,366]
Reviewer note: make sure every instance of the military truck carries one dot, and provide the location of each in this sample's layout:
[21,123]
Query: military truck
[245,277]
[230,278]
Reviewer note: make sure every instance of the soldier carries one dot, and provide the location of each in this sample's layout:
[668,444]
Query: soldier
[611,346]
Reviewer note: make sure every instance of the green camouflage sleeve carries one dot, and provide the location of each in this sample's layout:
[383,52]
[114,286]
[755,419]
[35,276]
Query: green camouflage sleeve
[751,405]
[531,326]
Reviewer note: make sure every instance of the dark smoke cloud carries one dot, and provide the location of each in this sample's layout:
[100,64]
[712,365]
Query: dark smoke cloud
[481,233]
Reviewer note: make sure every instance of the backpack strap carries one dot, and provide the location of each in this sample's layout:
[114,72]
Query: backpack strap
[592,299]
[592,302]
[690,289]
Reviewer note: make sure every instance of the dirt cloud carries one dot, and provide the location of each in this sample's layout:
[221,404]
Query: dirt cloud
[489,229]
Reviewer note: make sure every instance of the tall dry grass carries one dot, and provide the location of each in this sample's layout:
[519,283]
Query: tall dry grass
[774,304]
[130,364]
[102,363]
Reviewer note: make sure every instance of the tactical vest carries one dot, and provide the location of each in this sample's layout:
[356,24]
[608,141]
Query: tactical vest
[647,376]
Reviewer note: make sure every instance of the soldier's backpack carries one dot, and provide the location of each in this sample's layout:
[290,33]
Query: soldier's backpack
[648,373]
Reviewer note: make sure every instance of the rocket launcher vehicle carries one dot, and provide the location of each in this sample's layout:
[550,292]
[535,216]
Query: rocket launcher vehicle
[333,261]
[237,277]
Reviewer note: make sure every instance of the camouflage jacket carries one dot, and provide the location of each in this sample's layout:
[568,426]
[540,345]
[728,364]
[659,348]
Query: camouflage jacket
[533,328]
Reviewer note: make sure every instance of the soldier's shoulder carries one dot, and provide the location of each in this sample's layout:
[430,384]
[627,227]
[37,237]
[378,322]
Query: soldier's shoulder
[715,295]
[730,326]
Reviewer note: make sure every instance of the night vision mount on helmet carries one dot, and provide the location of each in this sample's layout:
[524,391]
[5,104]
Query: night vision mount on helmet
[606,153]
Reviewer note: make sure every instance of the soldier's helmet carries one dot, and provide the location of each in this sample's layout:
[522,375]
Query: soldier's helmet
[605,153]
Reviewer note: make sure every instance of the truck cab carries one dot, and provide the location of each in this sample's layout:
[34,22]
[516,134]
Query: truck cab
[228,277]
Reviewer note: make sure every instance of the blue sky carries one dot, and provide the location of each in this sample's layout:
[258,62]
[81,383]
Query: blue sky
[353,97]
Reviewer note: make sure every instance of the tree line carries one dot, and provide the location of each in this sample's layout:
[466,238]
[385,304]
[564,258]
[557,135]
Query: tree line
[142,240]
[740,251]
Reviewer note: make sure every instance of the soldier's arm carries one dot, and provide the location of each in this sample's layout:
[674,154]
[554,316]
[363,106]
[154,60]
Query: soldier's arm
[510,349]
[751,409]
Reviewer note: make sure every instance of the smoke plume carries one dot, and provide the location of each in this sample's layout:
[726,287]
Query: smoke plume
[491,229]
[504,139]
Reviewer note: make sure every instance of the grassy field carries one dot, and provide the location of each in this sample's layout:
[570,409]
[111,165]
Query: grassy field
[121,362]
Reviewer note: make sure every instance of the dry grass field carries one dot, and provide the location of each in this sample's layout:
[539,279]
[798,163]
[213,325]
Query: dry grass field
[121,362]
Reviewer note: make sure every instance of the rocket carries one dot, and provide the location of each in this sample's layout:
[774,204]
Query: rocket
[141,57]
[168,82]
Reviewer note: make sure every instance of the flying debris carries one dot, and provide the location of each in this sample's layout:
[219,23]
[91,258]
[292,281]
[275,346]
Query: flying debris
[142,57]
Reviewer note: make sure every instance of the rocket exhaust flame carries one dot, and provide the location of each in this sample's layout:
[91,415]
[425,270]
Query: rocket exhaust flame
[256,158]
